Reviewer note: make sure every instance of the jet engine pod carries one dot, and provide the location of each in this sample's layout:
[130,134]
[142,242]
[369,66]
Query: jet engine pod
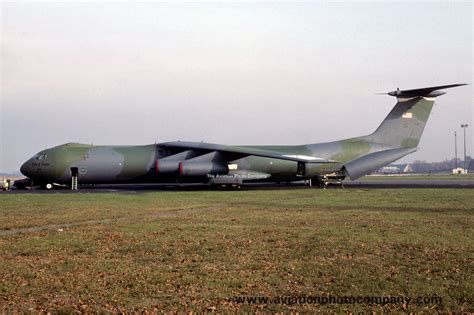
[167,166]
[200,169]
[170,164]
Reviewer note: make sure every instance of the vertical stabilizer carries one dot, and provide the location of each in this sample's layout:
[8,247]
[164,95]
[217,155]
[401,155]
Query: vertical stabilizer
[404,125]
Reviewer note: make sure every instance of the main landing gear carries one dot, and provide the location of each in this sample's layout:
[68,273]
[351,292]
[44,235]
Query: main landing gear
[327,181]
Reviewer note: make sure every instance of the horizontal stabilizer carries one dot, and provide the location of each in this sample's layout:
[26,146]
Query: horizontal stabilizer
[423,92]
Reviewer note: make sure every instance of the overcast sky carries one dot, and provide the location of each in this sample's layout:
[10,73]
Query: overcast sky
[242,73]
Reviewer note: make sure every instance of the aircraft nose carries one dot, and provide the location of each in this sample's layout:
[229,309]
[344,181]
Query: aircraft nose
[25,169]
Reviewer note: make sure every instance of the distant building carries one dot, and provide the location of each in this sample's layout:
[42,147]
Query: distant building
[459,170]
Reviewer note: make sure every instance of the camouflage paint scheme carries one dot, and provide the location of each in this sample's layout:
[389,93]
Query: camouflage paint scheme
[398,135]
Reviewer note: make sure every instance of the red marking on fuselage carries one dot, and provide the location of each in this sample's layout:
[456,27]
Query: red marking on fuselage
[180,168]
[156,167]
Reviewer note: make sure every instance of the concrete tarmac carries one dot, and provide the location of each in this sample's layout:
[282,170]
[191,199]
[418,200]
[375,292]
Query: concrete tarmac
[348,184]
[403,183]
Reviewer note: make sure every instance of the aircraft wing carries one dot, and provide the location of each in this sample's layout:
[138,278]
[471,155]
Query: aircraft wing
[237,152]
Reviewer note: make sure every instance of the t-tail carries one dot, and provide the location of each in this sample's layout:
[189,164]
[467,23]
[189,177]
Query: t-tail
[404,125]
[400,132]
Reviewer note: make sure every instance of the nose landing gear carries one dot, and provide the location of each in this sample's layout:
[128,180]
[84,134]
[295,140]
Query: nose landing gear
[47,186]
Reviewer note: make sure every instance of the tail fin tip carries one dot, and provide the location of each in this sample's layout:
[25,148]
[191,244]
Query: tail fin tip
[423,92]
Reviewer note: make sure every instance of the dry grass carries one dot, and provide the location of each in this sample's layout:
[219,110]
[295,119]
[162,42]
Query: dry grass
[197,250]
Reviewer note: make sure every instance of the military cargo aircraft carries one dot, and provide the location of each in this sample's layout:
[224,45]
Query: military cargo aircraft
[398,135]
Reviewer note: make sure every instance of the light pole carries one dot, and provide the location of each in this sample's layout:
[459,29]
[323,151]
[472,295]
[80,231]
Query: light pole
[455,151]
[464,126]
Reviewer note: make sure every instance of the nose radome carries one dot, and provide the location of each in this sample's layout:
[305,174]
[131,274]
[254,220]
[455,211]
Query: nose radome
[25,169]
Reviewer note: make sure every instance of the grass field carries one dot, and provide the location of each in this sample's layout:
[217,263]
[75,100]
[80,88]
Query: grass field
[197,251]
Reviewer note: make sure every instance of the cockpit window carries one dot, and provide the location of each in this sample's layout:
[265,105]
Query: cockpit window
[41,156]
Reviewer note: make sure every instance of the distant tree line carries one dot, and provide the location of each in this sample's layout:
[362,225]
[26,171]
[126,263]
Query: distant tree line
[444,166]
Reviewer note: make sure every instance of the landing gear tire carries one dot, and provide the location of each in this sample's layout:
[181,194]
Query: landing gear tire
[227,186]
